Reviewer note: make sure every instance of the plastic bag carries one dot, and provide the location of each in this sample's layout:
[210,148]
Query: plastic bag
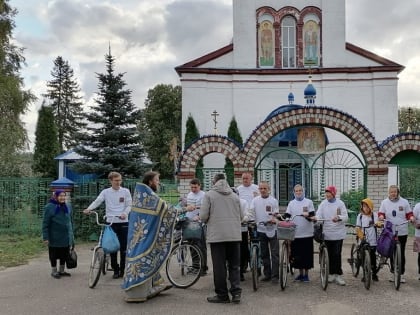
[110,242]
[386,241]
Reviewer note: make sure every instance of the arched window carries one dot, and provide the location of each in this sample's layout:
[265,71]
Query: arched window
[288,42]
[266,41]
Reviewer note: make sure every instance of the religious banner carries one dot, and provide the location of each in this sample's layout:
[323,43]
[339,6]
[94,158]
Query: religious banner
[311,140]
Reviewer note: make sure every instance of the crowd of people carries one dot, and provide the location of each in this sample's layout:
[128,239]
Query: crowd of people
[144,225]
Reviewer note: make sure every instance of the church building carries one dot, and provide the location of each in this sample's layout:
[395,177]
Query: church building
[311,107]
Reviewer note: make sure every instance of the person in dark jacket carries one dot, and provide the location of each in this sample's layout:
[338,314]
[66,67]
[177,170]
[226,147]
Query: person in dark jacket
[57,232]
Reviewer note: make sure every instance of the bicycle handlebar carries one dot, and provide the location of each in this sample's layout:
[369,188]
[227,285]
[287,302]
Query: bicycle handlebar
[105,216]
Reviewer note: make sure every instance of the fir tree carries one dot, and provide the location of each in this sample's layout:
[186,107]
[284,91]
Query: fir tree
[112,142]
[234,134]
[64,95]
[191,134]
[14,100]
[46,144]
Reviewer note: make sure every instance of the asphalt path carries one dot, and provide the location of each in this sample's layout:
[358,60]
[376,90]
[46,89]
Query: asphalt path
[29,289]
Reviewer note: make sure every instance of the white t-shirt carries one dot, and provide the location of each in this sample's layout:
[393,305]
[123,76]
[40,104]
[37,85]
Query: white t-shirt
[400,208]
[365,223]
[304,228]
[248,192]
[416,213]
[194,199]
[117,202]
[260,210]
[333,231]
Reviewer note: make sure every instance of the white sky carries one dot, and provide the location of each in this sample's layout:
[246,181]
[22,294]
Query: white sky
[149,38]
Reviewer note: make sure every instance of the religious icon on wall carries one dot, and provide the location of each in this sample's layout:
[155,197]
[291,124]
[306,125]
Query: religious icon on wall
[311,140]
[311,42]
[266,44]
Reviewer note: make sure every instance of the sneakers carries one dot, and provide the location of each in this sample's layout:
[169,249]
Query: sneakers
[375,277]
[305,278]
[64,274]
[220,299]
[116,275]
[331,278]
[339,280]
[299,278]
[55,274]
[236,298]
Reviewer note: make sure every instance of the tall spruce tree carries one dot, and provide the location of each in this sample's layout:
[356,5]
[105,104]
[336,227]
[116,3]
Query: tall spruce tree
[112,142]
[64,94]
[192,133]
[14,100]
[46,144]
[161,126]
[234,134]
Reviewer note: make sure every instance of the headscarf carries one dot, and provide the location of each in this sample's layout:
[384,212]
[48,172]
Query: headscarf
[303,193]
[59,206]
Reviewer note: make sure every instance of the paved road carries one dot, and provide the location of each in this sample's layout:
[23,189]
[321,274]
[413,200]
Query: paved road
[30,289]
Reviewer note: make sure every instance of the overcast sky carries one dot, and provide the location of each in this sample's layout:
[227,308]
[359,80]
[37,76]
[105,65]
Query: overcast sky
[149,38]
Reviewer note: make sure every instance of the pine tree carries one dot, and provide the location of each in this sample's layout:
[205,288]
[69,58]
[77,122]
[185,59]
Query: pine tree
[14,100]
[46,144]
[64,95]
[234,134]
[192,133]
[112,142]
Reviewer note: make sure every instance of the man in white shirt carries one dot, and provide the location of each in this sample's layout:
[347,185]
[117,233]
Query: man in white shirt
[263,209]
[247,191]
[194,200]
[117,207]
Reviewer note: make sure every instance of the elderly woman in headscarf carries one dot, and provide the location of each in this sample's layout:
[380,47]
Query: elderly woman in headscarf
[302,211]
[57,232]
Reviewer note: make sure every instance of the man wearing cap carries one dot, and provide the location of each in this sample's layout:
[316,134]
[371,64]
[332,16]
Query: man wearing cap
[397,210]
[334,212]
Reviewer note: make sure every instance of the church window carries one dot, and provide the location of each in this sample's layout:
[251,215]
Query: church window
[288,42]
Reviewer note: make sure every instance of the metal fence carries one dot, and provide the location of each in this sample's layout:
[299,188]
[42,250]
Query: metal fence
[22,202]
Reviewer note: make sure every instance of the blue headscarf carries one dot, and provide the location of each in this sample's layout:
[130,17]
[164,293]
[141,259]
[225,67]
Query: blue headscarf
[303,194]
[59,205]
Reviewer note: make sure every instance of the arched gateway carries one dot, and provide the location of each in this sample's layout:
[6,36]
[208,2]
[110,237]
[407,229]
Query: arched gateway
[376,155]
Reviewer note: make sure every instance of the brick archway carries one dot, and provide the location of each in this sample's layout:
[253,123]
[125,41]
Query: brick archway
[398,143]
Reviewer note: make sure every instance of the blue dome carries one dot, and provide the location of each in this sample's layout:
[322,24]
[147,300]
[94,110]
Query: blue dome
[291,98]
[310,90]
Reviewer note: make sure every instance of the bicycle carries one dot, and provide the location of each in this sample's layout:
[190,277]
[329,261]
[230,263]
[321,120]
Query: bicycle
[285,231]
[360,256]
[184,265]
[324,263]
[100,261]
[255,258]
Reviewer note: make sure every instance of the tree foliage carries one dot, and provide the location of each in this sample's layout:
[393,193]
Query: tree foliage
[112,142]
[408,119]
[14,100]
[46,144]
[192,133]
[234,134]
[161,126]
[64,94]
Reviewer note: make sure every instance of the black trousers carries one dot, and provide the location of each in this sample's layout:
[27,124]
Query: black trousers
[403,241]
[59,253]
[222,253]
[121,229]
[334,255]
[202,245]
[244,252]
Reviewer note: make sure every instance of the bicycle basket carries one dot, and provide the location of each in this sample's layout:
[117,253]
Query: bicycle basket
[286,230]
[191,230]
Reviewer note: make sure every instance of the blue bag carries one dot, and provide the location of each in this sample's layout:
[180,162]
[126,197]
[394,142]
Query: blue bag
[110,242]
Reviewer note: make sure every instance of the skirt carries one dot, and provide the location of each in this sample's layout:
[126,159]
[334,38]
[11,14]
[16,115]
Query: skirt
[302,251]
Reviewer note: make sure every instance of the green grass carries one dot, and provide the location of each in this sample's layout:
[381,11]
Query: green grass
[17,250]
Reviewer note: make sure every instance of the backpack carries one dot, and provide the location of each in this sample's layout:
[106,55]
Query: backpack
[386,241]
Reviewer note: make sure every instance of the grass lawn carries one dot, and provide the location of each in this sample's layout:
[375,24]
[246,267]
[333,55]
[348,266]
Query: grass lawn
[17,250]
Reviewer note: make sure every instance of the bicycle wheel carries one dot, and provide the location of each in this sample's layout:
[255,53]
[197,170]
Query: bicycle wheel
[284,262]
[96,266]
[183,266]
[324,267]
[367,268]
[397,266]
[254,267]
[354,260]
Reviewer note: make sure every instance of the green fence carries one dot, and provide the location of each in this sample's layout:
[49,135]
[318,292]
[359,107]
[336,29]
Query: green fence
[22,201]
